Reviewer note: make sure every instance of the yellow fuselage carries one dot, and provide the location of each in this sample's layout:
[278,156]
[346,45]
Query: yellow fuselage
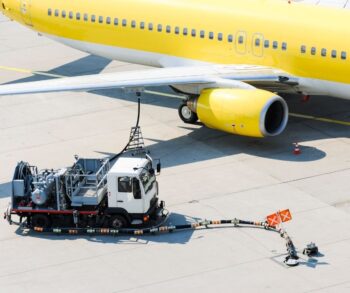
[243,25]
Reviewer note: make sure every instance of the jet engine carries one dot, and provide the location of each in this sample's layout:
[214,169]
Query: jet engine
[248,112]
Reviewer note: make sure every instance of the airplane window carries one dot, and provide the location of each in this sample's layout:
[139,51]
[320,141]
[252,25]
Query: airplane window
[64,14]
[193,33]
[168,29]
[150,26]
[49,12]
[71,15]
[116,21]
[160,28]
[257,42]
[313,51]
[284,46]
[343,55]
[303,49]
[124,22]
[100,19]
[77,16]
[324,52]
[211,35]
[86,17]
[230,38]
[57,12]
[202,34]
[334,53]
[142,25]
[185,31]
[133,24]
[266,43]
[240,40]
[220,36]
[177,30]
[275,44]
[93,18]
[108,20]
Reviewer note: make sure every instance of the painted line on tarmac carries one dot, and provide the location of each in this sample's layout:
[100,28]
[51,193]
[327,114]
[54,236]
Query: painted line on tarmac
[23,70]
[321,119]
[295,115]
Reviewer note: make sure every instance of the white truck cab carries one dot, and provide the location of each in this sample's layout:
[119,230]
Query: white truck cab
[132,185]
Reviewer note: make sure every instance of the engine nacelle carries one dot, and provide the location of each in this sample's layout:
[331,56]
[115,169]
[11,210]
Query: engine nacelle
[255,112]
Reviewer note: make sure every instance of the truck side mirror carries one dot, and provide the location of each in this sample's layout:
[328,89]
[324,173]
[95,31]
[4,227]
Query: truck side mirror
[151,171]
[136,188]
[159,167]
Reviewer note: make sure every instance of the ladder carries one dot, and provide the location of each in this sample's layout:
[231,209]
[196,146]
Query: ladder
[137,143]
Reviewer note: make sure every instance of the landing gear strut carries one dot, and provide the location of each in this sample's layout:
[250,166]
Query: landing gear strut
[187,115]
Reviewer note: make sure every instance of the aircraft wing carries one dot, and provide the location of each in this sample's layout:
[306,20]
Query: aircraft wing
[232,76]
[329,3]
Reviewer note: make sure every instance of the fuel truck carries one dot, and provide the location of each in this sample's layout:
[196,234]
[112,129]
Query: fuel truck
[90,193]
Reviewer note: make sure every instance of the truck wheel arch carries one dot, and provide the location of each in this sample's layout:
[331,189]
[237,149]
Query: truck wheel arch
[119,211]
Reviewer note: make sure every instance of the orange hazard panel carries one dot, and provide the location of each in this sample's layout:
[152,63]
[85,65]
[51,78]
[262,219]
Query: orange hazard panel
[285,215]
[273,219]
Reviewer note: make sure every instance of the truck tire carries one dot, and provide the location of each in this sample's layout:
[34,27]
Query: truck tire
[41,221]
[117,222]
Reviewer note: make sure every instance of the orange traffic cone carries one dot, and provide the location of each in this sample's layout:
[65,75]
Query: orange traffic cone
[297,150]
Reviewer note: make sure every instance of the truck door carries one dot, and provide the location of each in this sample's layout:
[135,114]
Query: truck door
[128,195]
[138,200]
[258,45]
[241,42]
[25,7]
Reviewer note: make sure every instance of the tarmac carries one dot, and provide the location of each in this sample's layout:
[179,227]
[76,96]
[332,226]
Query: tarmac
[206,174]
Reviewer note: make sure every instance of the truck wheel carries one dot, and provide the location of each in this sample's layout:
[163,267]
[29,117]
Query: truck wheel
[117,222]
[41,221]
[187,115]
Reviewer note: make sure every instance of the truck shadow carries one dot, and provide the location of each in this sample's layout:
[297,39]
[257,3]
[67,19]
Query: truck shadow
[5,189]
[181,237]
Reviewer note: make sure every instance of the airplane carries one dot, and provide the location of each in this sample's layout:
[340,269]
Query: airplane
[232,59]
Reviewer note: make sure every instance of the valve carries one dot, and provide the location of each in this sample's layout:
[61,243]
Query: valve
[311,249]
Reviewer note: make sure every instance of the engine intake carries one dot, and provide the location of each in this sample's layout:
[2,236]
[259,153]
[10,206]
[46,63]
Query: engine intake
[255,113]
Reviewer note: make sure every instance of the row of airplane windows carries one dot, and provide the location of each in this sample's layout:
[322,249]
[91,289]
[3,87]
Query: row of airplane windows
[185,31]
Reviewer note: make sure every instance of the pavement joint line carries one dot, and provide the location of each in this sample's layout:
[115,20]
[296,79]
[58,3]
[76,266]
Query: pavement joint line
[77,138]
[327,287]
[265,186]
[69,116]
[97,256]
[296,115]
[192,275]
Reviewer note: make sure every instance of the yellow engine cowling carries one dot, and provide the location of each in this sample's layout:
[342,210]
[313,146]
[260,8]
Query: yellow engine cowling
[248,112]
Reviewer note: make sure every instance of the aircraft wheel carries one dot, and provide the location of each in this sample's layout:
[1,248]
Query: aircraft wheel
[187,115]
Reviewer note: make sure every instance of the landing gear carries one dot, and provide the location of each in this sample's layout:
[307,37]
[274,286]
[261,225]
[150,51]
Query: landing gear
[187,115]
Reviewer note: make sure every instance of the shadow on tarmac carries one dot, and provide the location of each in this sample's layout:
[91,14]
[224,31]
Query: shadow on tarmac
[215,144]
[5,189]
[172,238]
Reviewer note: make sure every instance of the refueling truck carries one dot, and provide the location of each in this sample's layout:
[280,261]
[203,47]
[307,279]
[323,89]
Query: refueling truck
[91,193]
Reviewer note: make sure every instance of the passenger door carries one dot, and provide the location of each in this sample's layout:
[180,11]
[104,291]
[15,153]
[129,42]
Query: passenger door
[25,7]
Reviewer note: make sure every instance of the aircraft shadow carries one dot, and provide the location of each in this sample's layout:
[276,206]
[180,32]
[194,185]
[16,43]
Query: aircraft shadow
[211,144]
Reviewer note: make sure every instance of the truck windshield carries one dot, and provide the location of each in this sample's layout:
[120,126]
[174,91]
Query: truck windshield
[147,180]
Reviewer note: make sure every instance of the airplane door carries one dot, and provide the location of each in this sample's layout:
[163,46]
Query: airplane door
[258,45]
[241,42]
[25,11]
